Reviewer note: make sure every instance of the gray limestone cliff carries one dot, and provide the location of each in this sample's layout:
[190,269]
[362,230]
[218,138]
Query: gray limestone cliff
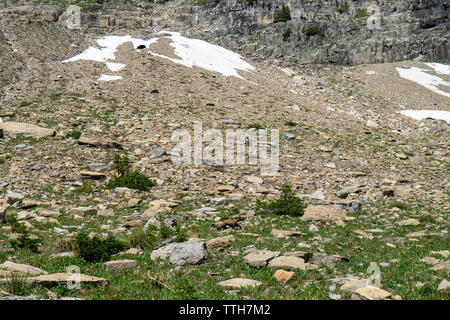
[339,32]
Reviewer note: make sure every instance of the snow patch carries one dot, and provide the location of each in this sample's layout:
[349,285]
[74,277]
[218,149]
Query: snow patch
[424,114]
[440,68]
[114,66]
[426,80]
[109,45]
[199,53]
[105,77]
[192,52]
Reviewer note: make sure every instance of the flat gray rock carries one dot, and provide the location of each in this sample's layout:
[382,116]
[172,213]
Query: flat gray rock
[259,258]
[238,283]
[181,253]
[21,268]
[26,130]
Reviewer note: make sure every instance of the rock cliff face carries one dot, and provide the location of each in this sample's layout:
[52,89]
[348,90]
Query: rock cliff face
[339,32]
[406,30]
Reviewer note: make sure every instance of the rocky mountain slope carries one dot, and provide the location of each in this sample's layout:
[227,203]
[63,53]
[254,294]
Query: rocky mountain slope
[374,181]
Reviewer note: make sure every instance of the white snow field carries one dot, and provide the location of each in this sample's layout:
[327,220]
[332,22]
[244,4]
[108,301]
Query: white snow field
[440,68]
[423,114]
[109,45]
[105,77]
[192,52]
[202,54]
[426,80]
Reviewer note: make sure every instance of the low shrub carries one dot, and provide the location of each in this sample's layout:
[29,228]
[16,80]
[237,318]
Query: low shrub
[343,9]
[181,235]
[74,134]
[127,178]
[132,180]
[312,31]
[95,249]
[24,240]
[287,204]
[287,34]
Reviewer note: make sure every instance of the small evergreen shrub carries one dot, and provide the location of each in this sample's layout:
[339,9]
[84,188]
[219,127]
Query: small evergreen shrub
[181,235]
[4,159]
[133,180]
[165,232]
[287,204]
[24,241]
[312,31]
[127,178]
[74,134]
[283,15]
[287,34]
[95,249]
[121,164]
[16,227]
[343,9]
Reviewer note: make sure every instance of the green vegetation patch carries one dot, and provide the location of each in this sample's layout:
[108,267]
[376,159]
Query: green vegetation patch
[287,204]
[127,178]
[283,15]
[312,31]
[95,249]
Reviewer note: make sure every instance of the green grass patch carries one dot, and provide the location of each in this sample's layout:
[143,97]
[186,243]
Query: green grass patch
[361,13]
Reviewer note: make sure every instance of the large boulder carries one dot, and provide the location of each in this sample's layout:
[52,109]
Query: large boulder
[259,258]
[220,243]
[192,252]
[26,130]
[22,268]
[290,263]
